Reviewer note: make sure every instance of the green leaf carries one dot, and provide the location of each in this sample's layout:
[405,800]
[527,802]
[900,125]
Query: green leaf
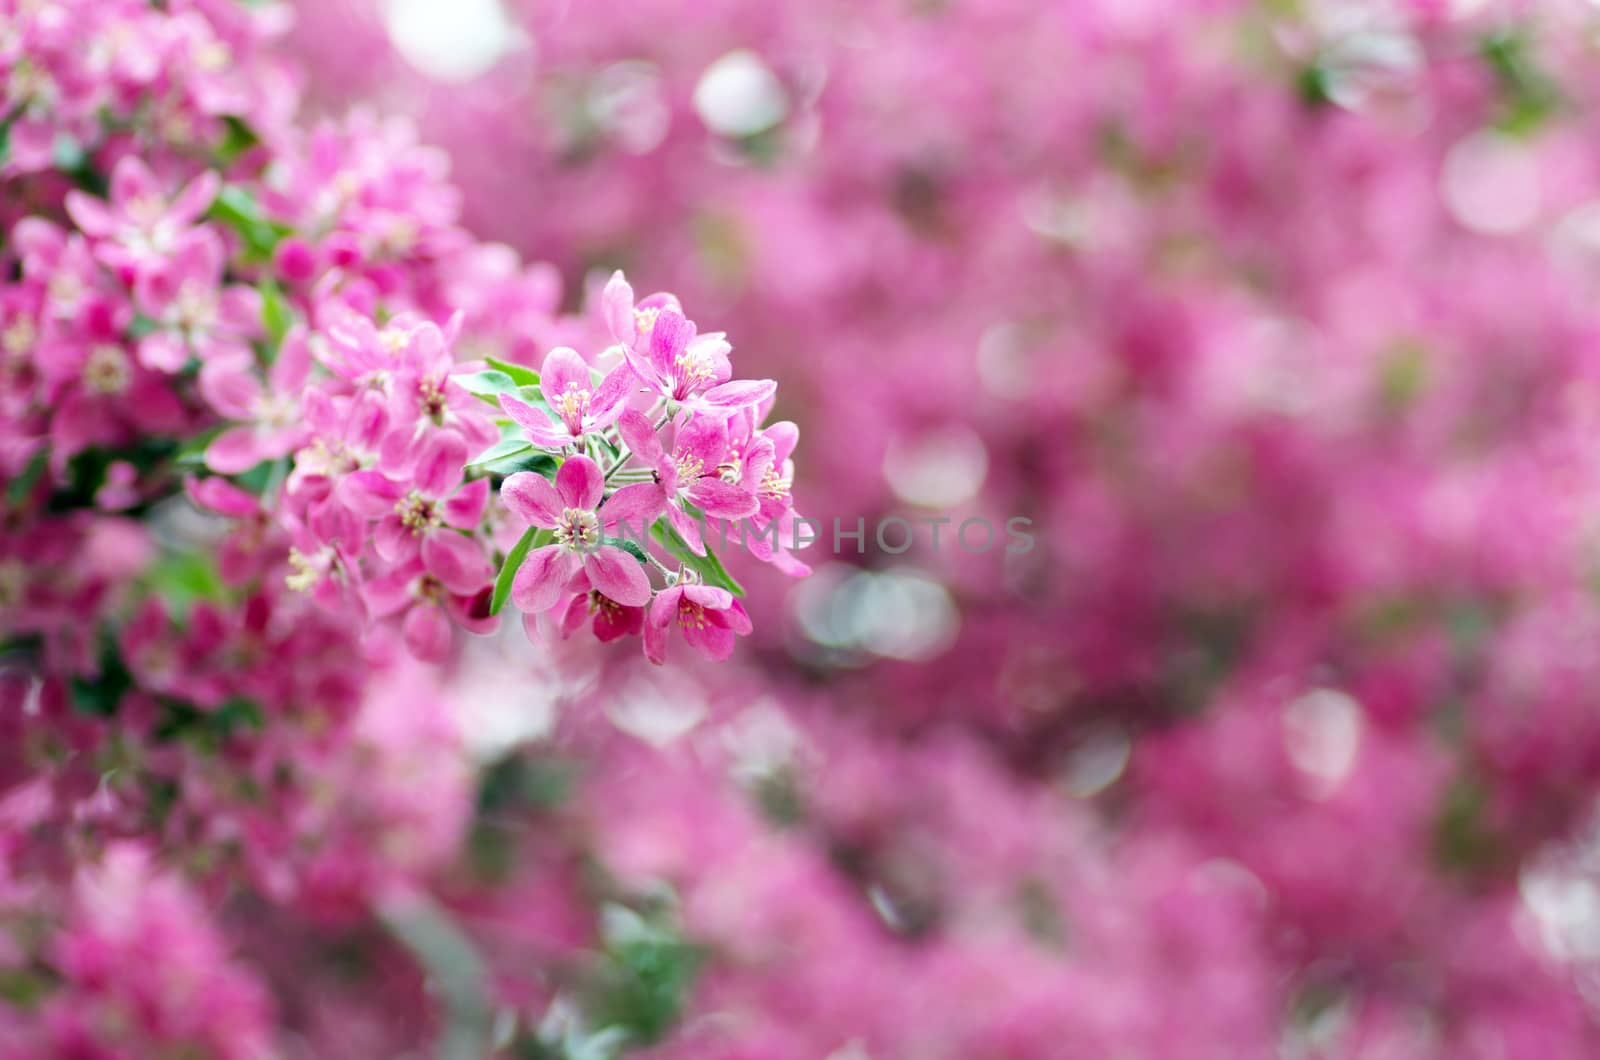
[488,385]
[519,374]
[708,566]
[535,535]
[511,455]
[238,138]
[19,488]
[264,477]
[192,453]
[239,210]
[181,578]
[276,316]
[101,694]
[648,974]
[630,547]
[505,447]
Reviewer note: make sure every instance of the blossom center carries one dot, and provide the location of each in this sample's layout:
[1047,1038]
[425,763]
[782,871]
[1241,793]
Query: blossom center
[691,615]
[65,291]
[419,514]
[578,529]
[18,339]
[776,485]
[431,398]
[691,370]
[195,306]
[306,571]
[430,589]
[690,469]
[572,404]
[107,370]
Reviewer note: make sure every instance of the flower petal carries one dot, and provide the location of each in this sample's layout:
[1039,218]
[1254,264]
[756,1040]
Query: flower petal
[464,511]
[741,393]
[230,386]
[535,424]
[617,575]
[616,305]
[457,561]
[537,584]
[234,451]
[532,499]
[668,338]
[439,465]
[723,500]
[608,398]
[640,437]
[562,370]
[427,633]
[632,509]
[705,438]
[580,483]
[369,493]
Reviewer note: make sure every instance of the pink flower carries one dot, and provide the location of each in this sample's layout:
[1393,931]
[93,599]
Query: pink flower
[431,516]
[582,406]
[681,366]
[141,226]
[689,473]
[611,620]
[271,425]
[62,264]
[424,400]
[708,617]
[428,608]
[570,509]
[196,314]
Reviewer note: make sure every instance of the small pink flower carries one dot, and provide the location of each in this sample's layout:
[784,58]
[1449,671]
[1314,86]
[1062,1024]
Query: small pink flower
[572,508]
[62,265]
[708,617]
[197,315]
[431,516]
[428,608]
[611,620]
[689,473]
[424,400]
[667,355]
[141,226]
[271,425]
[582,406]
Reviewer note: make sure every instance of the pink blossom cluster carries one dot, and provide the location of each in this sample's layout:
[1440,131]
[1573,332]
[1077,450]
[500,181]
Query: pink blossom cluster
[273,426]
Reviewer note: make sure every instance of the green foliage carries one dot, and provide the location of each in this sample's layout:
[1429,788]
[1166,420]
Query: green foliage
[19,489]
[101,694]
[647,974]
[276,315]
[239,210]
[238,137]
[520,375]
[534,537]
[511,454]
[708,566]
[488,385]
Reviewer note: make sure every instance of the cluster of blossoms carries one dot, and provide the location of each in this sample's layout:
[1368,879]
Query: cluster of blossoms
[272,426]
